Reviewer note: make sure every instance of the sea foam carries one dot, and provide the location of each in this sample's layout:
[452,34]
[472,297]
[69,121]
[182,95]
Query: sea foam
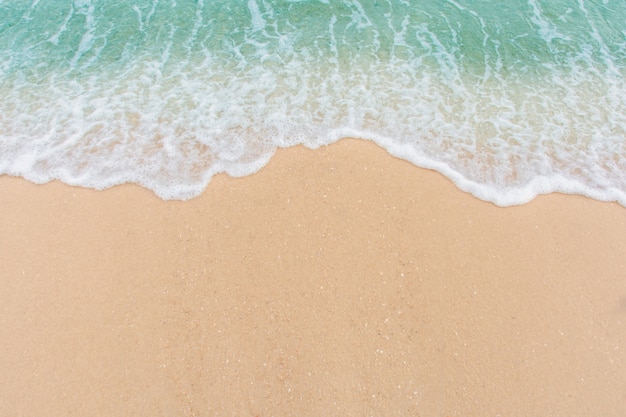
[508,105]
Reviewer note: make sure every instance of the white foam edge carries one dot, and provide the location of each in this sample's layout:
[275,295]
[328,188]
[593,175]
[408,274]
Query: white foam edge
[176,191]
[512,196]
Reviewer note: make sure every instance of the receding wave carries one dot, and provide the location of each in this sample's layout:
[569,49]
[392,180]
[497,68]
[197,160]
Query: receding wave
[507,101]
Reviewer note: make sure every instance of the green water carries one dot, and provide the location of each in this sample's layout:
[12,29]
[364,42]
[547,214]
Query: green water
[508,99]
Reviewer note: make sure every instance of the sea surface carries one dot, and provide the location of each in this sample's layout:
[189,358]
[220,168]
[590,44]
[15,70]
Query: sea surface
[509,99]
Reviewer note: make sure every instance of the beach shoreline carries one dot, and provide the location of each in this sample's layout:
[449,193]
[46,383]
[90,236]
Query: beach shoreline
[336,281]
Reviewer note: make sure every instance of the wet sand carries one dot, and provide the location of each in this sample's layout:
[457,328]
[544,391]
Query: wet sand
[335,282]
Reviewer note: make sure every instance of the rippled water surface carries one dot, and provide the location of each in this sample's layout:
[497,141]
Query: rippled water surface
[508,99]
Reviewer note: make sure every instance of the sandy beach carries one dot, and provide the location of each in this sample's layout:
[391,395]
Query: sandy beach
[334,282]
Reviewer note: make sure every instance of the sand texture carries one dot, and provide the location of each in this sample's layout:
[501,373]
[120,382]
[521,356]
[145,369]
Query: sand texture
[335,282]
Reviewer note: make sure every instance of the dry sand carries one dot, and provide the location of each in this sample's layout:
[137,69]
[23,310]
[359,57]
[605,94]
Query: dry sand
[336,282]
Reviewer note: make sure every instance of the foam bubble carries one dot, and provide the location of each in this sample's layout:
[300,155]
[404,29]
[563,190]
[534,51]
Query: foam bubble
[223,92]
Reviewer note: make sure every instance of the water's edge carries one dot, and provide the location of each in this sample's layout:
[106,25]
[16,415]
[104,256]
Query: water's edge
[508,102]
[508,198]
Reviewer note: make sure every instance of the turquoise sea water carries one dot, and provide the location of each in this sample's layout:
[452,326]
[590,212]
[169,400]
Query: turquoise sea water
[508,99]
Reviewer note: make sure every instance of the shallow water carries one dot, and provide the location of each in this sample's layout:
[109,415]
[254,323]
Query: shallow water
[508,100]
